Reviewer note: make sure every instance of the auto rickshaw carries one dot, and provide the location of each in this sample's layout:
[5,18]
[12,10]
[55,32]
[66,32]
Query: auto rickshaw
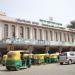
[17,60]
[54,58]
[4,60]
[46,58]
[31,57]
[27,58]
[40,58]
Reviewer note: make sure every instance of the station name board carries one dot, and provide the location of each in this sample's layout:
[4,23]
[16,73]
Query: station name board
[23,21]
[50,23]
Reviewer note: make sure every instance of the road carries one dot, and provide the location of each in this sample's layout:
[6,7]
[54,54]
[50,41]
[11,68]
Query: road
[47,69]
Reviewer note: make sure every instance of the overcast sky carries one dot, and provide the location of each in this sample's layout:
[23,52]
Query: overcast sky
[62,11]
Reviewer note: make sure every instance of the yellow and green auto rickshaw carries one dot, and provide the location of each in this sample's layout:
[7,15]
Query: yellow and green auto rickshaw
[40,58]
[54,58]
[4,60]
[17,60]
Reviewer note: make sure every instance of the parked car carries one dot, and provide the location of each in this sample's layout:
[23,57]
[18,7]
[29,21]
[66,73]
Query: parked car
[67,57]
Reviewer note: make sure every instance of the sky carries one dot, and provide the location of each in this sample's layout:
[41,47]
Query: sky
[62,11]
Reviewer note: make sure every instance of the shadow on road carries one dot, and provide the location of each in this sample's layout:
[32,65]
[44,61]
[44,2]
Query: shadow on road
[4,70]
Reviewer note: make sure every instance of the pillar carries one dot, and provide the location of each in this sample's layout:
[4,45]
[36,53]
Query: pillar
[30,48]
[60,49]
[17,31]
[24,32]
[71,49]
[31,33]
[9,31]
[10,47]
[47,49]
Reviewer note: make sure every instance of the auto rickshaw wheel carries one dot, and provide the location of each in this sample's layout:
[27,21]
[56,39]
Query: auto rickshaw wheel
[61,63]
[17,68]
[29,66]
[8,68]
[3,64]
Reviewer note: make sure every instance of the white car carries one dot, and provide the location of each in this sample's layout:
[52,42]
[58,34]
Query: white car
[67,57]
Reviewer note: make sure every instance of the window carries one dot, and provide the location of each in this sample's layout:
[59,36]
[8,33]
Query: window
[63,54]
[65,37]
[60,36]
[72,36]
[46,35]
[68,38]
[28,33]
[13,31]
[35,33]
[72,54]
[5,31]
[51,35]
[21,32]
[56,35]
[40,34]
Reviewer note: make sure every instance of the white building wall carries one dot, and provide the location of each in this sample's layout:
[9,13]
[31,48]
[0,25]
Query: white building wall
[17,32]
[31,33]
[24,32]
[1,30]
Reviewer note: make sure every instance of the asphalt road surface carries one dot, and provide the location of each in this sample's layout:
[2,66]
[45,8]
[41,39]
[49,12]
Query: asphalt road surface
[47,69]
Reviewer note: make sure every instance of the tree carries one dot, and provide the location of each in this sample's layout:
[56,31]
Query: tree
[72,25]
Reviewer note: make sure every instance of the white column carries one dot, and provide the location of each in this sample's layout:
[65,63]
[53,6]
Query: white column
[43,35]
[17,31]
[1,31]
[24,32]
[62,35]
[9,31]
[31,33]
[47,49]
[48,35]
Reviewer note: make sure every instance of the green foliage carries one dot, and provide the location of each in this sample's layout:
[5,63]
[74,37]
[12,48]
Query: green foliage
[71,26]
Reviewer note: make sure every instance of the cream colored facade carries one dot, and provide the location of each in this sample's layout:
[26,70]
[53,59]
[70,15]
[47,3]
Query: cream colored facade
[23,29]
[57,34]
